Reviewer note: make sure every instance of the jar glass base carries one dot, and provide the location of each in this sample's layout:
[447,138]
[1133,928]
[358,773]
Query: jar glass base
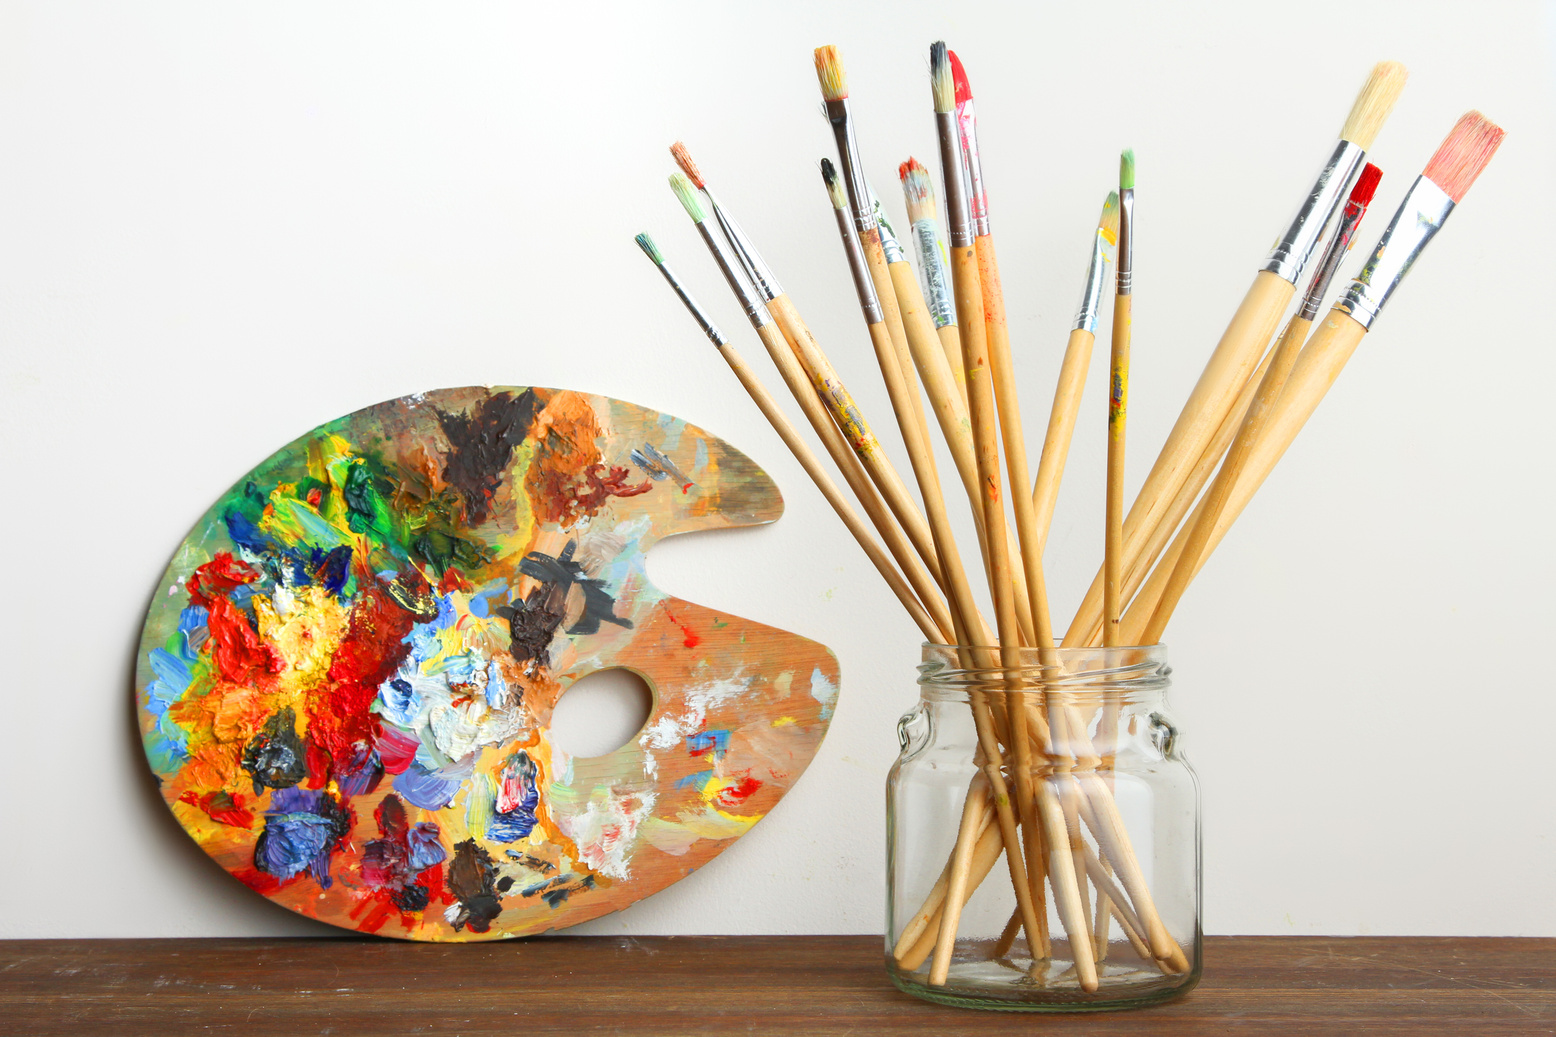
[1011,984]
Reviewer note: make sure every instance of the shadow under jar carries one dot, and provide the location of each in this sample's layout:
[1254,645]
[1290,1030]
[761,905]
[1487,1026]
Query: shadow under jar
[1074,758]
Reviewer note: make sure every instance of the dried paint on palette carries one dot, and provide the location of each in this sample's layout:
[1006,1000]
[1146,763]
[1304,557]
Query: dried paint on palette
[347,676]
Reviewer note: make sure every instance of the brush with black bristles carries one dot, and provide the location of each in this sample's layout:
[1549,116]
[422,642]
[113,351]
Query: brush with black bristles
[920,452]
[1455,166]
[1250,331]
[761,321]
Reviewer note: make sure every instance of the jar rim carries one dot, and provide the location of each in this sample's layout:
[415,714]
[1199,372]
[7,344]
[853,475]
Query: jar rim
[1132,670]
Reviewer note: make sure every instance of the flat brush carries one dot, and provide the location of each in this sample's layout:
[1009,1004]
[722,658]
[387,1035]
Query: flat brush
[1460,159]
[832,413]
[918,191]
[1072,372]
[1250,330]
[1270,387]
[760,319]
[750,260]
[1118,396]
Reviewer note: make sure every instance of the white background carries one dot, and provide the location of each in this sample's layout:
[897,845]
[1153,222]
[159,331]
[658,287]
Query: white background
[223,225]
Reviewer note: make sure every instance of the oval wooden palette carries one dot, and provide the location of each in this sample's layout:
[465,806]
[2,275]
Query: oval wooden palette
[347,674]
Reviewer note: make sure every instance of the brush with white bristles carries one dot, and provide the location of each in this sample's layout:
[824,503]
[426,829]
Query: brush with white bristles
[1250,331]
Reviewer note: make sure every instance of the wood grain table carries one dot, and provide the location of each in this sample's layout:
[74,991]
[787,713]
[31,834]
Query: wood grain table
[792,985]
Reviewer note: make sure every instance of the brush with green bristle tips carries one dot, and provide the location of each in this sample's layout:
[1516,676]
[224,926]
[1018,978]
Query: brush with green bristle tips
[1118,404]
[688,197]
[807,458]
[1126,170]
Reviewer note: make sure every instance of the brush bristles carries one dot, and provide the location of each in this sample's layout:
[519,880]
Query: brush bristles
[1366,185]
[834,186]
[959,79]
[917,190]
[651,250]
[1108,223]
[829,70]
[1374,104]
[1126,170]
[688,195]
[1465,152]
[940,80]
[683,158]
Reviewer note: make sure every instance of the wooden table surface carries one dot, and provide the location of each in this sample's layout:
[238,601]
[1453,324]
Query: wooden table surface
[795,986]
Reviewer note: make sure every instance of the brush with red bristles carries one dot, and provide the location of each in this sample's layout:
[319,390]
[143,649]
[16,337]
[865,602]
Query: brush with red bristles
[1460,159]
[1270,385]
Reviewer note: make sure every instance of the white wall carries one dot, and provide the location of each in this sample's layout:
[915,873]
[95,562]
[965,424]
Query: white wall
[222,225]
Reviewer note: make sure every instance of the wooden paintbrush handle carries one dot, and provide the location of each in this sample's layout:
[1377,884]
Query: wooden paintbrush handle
[1061,427]
[1118,412]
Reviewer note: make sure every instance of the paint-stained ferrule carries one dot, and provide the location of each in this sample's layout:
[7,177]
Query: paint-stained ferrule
[1103,254]
[934,269]
[1334,252]
[848,160]
[977,196]
[750,260]
[869,302]
[1419,218]
[957,216]
[1290,255]
[1126,241]
[698,314]
[889,243]
[756,313]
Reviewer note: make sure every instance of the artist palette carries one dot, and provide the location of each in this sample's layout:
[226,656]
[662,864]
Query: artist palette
[347,675]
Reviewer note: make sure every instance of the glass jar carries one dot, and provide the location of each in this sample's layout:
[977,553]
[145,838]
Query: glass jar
[1095,791]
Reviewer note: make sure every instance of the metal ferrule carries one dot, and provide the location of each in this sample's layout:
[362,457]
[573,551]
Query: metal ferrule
[1291,252]
[750,260]
[1334,252]
[851,169]
[977,197]
[934,274]
[889,243]
[708,327]
[1420,216]
[869,302]
[1126,242]
[756,313]
[958,219]
[1103,253]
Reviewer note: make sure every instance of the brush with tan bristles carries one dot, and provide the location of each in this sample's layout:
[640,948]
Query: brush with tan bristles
[918,191]
[1251,328]
[1455,166]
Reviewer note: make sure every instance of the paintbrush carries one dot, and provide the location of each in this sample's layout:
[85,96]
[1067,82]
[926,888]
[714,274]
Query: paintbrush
[1460,159]
[1002,370]
[920,452]
[918,191]
[1250,329]
[1072,372]
[836,418]
[820,373]
[762,323]
[1285,355]
[1118,399]
[969,307]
